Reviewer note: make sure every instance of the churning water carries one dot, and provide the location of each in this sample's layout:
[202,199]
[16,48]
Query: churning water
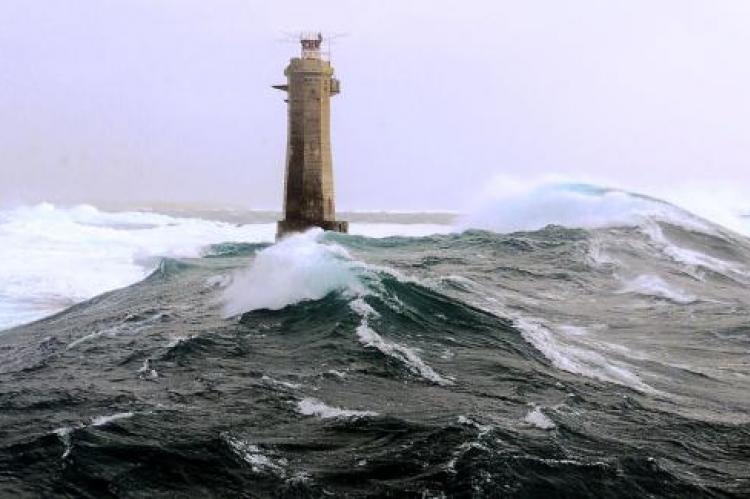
[605,355]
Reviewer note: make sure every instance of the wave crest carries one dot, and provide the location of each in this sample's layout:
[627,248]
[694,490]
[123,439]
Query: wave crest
[575,205]
[298,268]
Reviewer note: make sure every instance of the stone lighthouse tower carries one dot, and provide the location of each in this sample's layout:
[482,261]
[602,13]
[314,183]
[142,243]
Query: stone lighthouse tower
[308,196]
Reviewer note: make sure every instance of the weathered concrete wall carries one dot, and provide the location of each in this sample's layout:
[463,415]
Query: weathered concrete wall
[309,195]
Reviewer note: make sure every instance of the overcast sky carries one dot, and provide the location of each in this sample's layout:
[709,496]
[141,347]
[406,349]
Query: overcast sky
[171,100]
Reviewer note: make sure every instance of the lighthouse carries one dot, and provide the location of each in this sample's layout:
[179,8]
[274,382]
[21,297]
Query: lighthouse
[308,187]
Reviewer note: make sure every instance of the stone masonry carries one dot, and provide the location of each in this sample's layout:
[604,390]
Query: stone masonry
[309,197]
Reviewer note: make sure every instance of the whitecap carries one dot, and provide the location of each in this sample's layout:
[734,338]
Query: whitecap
[653,285]
[146,372]
[285,384]
[689,257]
[577,359]
[259,461]
[537,418]
[128,327]
[370,338]
[297,268]
[476,443]
[483,429]
[64,434]
[105,420]
[315,407]
[573,205]
[56,256]
[381,230]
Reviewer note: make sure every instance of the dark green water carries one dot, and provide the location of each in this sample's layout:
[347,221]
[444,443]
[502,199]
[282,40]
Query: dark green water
[556,363]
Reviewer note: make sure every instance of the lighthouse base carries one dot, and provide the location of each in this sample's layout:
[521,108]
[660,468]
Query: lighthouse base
[286,227]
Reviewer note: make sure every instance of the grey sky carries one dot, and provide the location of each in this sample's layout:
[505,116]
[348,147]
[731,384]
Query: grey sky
[170,100]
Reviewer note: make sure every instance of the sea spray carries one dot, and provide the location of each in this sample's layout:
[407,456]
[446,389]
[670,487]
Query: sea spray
[574,205]
[53,257]
[655,286]
[305,267]
[298,268]
[270,404]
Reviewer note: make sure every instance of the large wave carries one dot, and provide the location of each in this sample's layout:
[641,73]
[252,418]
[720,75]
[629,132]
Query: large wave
[446,363]
[53,256]
[574,205]
[305,267]
[298,268]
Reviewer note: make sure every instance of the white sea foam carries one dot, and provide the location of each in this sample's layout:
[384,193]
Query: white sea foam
[286,384]
[573,205]
[64,434]
[370,338]
[576,357]
[105,420]
[566,346]
[110,331]
[381,230]
[127,328]
[689,257]
[305,267]
[483,429]
[360,306]
[314,407]
[537,418]
[53,257]
[597,256]
[146,371]
[299,267]
[475,444]
[259,461]
[653,285]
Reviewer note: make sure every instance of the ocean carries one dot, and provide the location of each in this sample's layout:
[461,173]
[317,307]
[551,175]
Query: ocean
[581,342]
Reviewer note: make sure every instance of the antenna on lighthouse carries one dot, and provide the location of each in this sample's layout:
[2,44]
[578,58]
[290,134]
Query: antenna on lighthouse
[329,42]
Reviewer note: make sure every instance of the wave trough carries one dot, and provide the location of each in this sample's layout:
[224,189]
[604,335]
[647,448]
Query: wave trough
[605,358]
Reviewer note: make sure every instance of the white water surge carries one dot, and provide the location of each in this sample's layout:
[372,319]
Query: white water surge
[655,286]
[574,205]
[314,407]
[52,257]
[303,267]
[296,269]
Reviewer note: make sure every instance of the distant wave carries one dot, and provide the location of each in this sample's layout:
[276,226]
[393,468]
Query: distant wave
[56,256]
[575,205]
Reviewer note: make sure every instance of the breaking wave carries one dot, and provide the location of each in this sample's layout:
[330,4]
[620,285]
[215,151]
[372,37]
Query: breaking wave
[298,268]
[575,205]
[655,286]
[304,267]
[602,355]
[54,256]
